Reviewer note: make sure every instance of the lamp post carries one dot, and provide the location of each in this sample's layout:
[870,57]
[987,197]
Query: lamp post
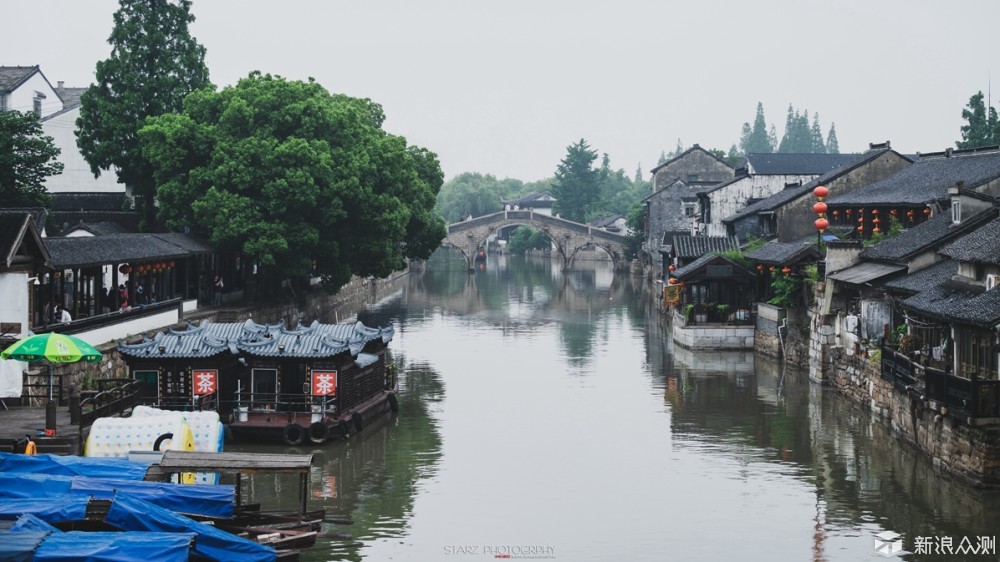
[820,209]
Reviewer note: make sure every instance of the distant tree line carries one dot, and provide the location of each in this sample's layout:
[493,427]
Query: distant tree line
[981,126]
[800,137]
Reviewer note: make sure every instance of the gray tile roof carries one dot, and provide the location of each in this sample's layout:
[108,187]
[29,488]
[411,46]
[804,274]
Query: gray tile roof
[782,164]
[12,227]
[982,245]
[685,153]
[87,201]
[686,246]
[926,277]
[13,76]
[701,262]
[794,192]
[958,302]
[533,199]
[865,272]
[926,180]
[38,215]
[925,236]
[86,251]
[259,340]
[70,96]
[99,228]
[782,253]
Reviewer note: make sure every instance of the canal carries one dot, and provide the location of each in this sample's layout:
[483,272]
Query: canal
[547,415]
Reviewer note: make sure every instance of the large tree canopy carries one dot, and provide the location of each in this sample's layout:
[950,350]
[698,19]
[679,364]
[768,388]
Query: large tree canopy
[288,173]
[27,157]
[154,64]
[474,194]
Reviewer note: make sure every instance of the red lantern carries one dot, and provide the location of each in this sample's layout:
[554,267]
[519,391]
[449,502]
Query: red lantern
[673,280]
[861,228]
[836,213]
[861,211]
[819,208]
[927,211]
[909,214]
[820,192]
[875,221]
[760,267]
[822,224]
[672,267]
[170,264]
[125,268]
[874,211]
[849,211]
[893,212]
[861,220]
[786,270]
[772,268]
[876,230]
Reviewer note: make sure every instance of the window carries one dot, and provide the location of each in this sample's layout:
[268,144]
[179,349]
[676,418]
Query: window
[692,177]
[689,210]
[956,211]
[977,354]
[3,101]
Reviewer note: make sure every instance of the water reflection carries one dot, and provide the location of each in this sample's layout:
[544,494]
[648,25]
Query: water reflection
[572,421]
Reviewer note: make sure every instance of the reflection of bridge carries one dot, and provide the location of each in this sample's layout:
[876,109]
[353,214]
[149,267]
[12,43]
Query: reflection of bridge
[569,237]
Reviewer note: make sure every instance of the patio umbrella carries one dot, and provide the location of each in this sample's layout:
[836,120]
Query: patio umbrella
[51,348]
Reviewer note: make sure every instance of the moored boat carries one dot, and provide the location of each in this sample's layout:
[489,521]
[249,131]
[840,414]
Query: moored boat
[303,385]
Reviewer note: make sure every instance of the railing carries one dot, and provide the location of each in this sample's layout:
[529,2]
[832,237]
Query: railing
[251,402]
[964,398]
[110,318]
[112,397]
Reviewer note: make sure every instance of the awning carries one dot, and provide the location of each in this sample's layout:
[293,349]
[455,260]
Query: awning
[865,272]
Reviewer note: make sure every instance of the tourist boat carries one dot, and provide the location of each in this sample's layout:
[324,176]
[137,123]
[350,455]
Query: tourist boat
[307,384]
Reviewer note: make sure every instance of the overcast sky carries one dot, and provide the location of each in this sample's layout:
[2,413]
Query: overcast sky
[504,87]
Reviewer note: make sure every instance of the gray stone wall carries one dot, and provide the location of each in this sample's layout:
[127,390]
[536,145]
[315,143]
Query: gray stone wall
[666,214]
[697,162]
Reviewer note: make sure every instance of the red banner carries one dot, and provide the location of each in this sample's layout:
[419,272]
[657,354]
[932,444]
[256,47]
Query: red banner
[324,383]
[204,382]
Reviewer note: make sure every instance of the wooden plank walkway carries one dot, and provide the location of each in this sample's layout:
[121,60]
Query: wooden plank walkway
[18,421]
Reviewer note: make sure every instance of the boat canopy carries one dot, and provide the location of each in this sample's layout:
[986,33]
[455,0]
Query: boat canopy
[121,469]
[114,547]
[208,500]
[132,514]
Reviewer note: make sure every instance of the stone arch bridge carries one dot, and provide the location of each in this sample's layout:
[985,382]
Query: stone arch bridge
[569,237]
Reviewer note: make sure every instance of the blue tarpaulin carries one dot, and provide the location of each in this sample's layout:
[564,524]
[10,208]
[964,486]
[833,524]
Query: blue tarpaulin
[64,508]
[29,522]
[114,547]
[72,466]
[131,514]
[208,500]
[19,546]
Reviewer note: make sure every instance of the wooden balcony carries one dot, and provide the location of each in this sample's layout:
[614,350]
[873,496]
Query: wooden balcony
[971,400]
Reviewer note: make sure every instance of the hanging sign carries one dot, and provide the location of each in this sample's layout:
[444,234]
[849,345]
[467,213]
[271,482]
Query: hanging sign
[672,295]
[205,382]
[324,383]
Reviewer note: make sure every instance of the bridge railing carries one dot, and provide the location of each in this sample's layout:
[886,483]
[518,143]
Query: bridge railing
[539,218]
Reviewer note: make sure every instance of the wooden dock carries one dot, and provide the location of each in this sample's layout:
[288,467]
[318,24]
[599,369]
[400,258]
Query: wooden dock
[18,421]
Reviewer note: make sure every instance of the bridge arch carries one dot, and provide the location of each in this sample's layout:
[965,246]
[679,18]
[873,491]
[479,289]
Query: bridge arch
[569,237]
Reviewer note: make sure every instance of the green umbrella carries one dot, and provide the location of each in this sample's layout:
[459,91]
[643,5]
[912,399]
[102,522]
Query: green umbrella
[51,348]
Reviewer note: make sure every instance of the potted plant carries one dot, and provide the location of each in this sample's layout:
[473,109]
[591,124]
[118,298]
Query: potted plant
[688,312]
[723,312]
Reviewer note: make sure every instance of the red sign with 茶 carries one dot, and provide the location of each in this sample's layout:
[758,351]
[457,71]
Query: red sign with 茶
[324,383]
[204,382]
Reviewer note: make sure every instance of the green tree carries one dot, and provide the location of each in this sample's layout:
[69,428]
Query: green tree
[27,157]
[287,173]
[755,139]
[577,185]
[816,135]
[475,194]
[525,238]
[981,127]
[663,158]
[734,156]
[638,173]
[154,64]
[832,146]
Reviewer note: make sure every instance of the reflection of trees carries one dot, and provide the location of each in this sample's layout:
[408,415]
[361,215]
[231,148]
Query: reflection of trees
[372,478]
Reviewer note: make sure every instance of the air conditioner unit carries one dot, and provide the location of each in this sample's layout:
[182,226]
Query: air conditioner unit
[992,280]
